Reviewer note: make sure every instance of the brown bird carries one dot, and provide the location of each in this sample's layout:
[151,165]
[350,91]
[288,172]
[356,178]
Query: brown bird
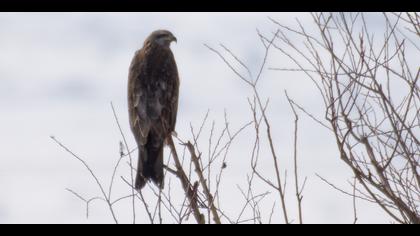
[153,88]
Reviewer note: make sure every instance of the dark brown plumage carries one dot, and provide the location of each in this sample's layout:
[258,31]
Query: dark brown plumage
[153,87]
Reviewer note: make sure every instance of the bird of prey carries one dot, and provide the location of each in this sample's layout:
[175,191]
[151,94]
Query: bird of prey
[153,88]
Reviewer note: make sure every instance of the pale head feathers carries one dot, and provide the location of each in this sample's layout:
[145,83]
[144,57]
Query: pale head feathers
[161,38]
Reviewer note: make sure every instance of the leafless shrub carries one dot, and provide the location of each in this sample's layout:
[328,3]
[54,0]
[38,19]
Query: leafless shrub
[370,89]
[198,195]
[258,107]
[371,100]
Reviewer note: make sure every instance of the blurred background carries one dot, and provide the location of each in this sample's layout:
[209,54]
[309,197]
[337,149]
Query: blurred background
[60,71]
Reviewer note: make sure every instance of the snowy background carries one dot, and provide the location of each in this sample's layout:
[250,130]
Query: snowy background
[60,71]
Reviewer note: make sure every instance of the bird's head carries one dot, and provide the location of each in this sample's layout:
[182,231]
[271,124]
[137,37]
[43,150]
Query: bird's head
[161,37]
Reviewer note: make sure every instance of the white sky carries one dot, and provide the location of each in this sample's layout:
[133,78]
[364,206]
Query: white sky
[59,72]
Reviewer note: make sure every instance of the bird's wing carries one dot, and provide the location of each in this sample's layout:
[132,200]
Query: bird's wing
[138,94]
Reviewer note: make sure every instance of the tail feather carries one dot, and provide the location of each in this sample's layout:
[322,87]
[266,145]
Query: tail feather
[141,179]
[157,166]
[150,166]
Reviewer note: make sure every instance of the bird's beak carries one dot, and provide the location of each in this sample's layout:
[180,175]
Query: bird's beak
[174,39]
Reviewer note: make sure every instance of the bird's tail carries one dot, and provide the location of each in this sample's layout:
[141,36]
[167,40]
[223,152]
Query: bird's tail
[150,166]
